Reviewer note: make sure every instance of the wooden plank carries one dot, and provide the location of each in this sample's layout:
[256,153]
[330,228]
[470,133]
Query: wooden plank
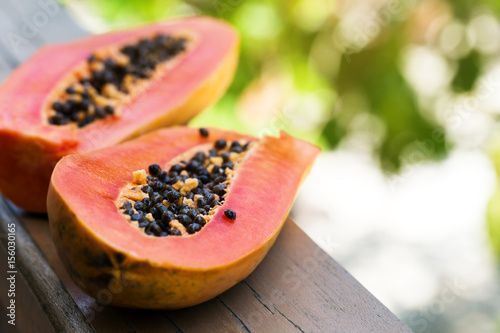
[27,25]
[49,17]
[30,264]
[297,288]
[16,43]
[26,305]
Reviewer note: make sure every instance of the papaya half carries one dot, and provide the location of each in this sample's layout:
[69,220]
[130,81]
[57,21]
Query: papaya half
[173,218]
[98,91]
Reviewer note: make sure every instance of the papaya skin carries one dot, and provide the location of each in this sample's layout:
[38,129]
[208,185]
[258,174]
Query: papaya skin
[136,283]
[31,148]
[119,265]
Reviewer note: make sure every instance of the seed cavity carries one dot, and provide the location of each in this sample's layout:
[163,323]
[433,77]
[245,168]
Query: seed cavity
[182,200]
[109,79]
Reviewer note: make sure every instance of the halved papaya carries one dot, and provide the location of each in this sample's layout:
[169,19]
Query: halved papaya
[99,91]
[175,217]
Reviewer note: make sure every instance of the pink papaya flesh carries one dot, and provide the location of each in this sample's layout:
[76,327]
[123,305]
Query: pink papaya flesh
[32,144]
[102,250]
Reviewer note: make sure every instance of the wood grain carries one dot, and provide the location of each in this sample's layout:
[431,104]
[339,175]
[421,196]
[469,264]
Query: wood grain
[46,287]
[297,288]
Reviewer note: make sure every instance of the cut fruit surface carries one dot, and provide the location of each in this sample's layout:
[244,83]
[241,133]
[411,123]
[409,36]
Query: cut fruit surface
[182,199]
[102,249]
[102,90]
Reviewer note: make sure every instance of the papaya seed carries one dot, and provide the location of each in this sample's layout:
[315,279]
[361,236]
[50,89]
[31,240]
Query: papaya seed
[111,78]
[182,199]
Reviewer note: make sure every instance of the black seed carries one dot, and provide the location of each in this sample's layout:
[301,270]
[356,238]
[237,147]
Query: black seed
[189,195]
[184,211]
[67,107]
[192,213]
[146,189]
[220,189]
[128,212]
[216,170]
[201,202]
[154,169]
[184,220]
[199,220]
[229,165]
[163,234]
[235,147]
[204,132]
[193,227]
[212,153]
[157,185]
[155,228]
[156,198]
[207,208]
[219,179]
[230,214]
[146,202]
[202,212]
[161,208]
[183,206]
[73,116]
[143,224]
[173,207]
[175,232]
[153,211]
[203,179]
[57,106]
[109,62]
[199,156]
[173,196]
[163,176]
[176,168]
[109,109]
[173,178]
[203,172]
[139,206]
[196,190]
[245,147]
[70,90]
[136,217]
[209,197]
[85,104]
[220,144]
[126,205]
[99,112]
[167,217]
[225,157]
[192,166]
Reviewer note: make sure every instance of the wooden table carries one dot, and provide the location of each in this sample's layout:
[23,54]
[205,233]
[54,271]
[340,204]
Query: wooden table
[297,288]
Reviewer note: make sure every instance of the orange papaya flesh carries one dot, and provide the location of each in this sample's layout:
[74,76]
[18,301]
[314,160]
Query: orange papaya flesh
[31,146]
[102,251]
